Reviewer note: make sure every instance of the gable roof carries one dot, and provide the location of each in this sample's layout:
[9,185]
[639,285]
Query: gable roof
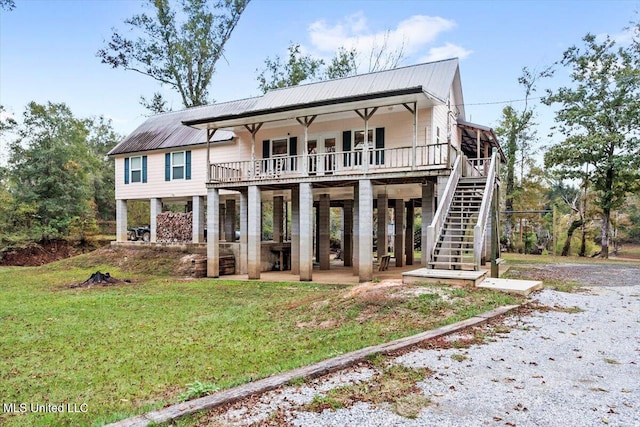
[166,131]
[434,79]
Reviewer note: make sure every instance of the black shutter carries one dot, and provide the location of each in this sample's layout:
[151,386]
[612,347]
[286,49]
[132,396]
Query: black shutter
[379,144]
[346,147]
[266,145]
[126,170]
[293,146]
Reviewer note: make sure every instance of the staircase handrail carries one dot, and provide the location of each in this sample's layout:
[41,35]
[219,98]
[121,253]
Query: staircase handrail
[435,228]
[483,213]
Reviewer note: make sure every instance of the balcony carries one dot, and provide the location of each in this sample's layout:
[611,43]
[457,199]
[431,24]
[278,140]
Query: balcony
[335,164]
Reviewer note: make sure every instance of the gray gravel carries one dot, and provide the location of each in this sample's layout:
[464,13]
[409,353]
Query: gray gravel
[557,367]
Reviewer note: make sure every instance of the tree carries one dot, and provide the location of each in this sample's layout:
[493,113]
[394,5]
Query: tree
[182,55]
[100,140]
[517,127]
[344,64]
[599,117]
[48,167]
[7,5]
[297,69]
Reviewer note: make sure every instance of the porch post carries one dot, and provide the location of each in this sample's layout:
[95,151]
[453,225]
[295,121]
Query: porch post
[155,208]
[295,230]
[254,232]
[121,220]
[213,232]
[198,219]
[383,225]
[230,221]
[398,243]
[365,245]
[278,208]
[414,111]
[409,236]
[244,231]
[428,211]
[306,230]
[324,235]
[347,225]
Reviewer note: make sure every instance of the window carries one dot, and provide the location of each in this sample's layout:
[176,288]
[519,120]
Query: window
[177,165]
[279,147]
[358,139]
[136,169]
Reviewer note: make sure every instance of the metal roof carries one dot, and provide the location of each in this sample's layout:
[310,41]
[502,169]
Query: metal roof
[167,131]
[434,79]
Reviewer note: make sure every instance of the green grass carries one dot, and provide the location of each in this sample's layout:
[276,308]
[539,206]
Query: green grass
[515,259]
[124,350]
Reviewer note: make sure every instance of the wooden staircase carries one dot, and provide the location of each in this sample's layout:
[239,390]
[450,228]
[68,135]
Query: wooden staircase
[454,249]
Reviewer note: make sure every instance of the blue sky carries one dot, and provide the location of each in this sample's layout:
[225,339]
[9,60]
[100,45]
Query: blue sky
[47,48]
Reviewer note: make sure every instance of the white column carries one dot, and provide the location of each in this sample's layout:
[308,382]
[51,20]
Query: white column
[295,231]
[428,210]
[121,220]
[254,232]
[356,230]
[244,230]
[155,209]
[365,234]
[213,232]
[306,230]
[198,219]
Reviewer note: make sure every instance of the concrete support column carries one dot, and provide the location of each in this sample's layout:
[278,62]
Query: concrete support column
[278,211]
[230,221]
[398,239]
[254,232]
[198,219]
[121,220]
[442,184]
[295,231]
[222,211]
[409,237]
[306,229]
[213,232]
[155,208]
[356,230]
[365,232]
[347,242]
[383,222]
[428,211]
[324,231]
[244,232]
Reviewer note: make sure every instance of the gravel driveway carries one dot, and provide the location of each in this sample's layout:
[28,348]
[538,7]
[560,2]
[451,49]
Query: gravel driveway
[575,362]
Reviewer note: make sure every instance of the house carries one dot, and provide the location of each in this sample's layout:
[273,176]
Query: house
[390,140]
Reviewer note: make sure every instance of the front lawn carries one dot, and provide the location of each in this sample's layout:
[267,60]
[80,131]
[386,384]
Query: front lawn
[127,349]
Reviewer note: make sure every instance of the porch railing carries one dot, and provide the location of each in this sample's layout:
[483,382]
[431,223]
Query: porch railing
[333,163]
[485,208]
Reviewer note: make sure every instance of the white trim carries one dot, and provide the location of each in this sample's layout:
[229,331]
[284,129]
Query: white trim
[183,165]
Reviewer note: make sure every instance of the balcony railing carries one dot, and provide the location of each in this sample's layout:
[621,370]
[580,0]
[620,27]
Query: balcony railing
[377,160]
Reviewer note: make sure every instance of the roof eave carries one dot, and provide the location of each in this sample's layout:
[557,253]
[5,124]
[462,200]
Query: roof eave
[335,105]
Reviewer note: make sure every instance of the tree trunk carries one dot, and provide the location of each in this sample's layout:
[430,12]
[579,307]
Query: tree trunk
[583,242]
[567,243]
[604,251]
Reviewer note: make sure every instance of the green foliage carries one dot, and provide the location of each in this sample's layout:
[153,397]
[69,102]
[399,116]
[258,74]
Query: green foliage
[297,69]
[57,171]
[198,389]
[343,64]
[181,55]
[599,116]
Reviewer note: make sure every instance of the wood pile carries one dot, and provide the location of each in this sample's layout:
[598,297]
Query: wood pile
[174,227]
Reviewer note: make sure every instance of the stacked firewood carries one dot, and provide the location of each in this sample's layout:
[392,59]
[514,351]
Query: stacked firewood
[175,227]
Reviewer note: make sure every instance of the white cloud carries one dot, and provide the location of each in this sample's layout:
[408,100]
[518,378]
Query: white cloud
[447,51]
[411,35]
